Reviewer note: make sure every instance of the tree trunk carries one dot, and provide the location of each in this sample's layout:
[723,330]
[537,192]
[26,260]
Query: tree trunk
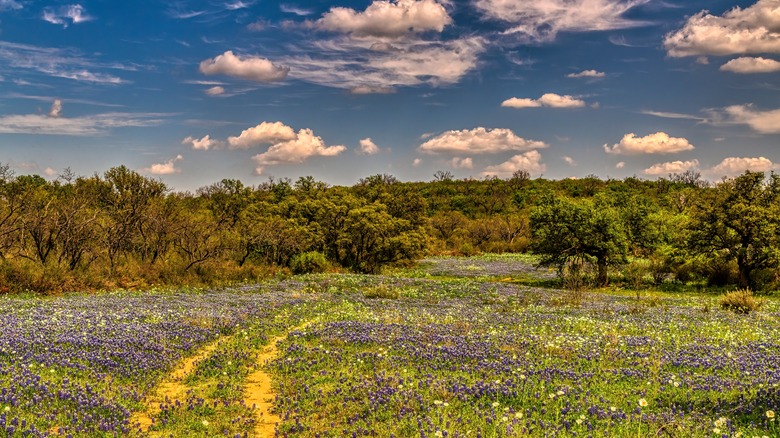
[602,279]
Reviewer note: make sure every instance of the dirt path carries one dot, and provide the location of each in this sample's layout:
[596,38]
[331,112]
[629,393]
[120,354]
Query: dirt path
[173,387]
[259,390]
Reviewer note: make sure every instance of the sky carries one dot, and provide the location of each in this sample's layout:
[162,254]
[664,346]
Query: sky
[192,92]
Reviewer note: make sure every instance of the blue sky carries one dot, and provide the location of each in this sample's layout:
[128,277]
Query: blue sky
[195,91]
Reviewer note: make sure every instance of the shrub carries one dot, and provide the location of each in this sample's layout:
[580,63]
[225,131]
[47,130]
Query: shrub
[381,291]
[740,301]
[309,263]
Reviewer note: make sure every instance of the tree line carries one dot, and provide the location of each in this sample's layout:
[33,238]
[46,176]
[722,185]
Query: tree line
[123,229]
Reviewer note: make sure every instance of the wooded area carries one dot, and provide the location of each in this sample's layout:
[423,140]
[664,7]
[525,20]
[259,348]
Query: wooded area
[122,229]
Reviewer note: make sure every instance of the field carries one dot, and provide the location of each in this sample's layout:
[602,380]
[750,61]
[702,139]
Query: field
[468,347]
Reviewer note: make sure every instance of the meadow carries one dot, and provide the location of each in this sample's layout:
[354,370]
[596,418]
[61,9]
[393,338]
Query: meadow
[455,347]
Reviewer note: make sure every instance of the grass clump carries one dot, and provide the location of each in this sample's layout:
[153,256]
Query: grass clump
[381,291]
[740,301]
[311,262]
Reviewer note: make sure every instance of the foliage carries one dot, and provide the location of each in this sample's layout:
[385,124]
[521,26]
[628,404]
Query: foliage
[740,301]
[568,234]
[739,221]
[311,262]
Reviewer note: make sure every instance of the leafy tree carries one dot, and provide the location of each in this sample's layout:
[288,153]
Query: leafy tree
[568,232]
[739,220]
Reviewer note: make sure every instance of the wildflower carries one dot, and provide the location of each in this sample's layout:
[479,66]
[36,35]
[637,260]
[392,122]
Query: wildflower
[438,434]
[6,409]
[642,402]
[437,402]
[612,408]
[579,421]
[496,404]
[720,422]
[770,414]
[715,430]
[205,422]
[518,415]
[504,418]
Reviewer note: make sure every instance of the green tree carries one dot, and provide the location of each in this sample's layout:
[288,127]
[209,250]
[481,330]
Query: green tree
[568,232]
[739,220]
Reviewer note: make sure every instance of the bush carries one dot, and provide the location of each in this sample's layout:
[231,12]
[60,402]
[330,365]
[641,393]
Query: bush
[312,262]
[381,291]
[740,301]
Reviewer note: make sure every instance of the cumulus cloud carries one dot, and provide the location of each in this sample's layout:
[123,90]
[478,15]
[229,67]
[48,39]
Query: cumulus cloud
[672,167]
[542,20]
[747,64]
[550,100]
[569,160]
[530,161]
[391,19]
[262,134]
[587,74]
[166,168]
[56,109]
[296,150]
[462,163]
[215,91]
[202,144]
[733,166]
[417,162]
[65,15]
[765,122]
[620,165]
[368,147]
[50,172]
[252,68]
[658,143]
[755,29]
[478,141]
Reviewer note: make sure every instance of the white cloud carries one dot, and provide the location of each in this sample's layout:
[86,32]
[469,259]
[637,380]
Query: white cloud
[66,15]
[417,162]
[765,122]
[530,161]
[301,12]
[733,166]
[296,150]
[87,126]
[620,165]
[9,4]
[353,65]
[658,143]
[462,163]
[50,172]
[542,20]
[671,167]
[550,100]
[58,62]
[56,108]
[202,144]
[365,89]
[671,115]
[215,91]
[751,65]
[256,26]
[262,134]
[252,68]
[383,18]
[587,74]
[368,147]
[478,141]
[569,160]
[755,29]
[166,168]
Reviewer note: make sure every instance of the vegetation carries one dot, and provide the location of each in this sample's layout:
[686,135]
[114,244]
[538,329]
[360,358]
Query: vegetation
[124,230]
[453,347]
